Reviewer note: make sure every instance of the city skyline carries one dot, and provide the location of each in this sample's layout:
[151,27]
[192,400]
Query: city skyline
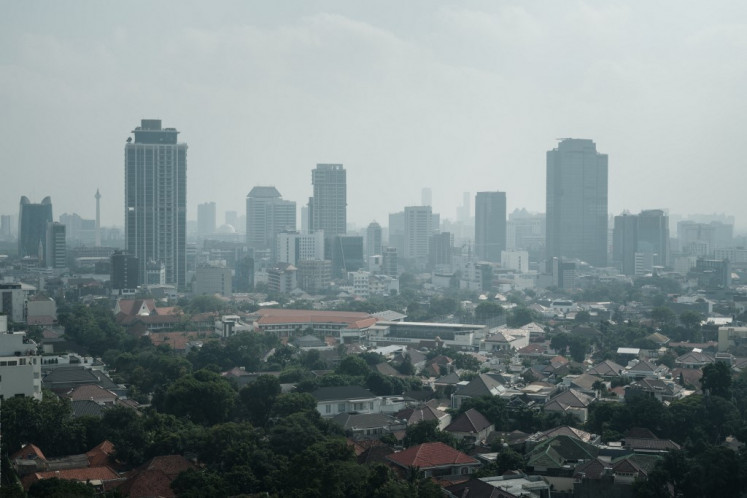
[452,98]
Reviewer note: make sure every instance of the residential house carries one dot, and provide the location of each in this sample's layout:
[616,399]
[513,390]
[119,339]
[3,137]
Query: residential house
[696,359]
[155,476]
[423,413]
[644,368]
[332,401]
[571,401]
[368,425]
[435,460]
[480,385]
[661,390]
[584,383]
[470,427]
[556,459]
[612,478]
[607,369]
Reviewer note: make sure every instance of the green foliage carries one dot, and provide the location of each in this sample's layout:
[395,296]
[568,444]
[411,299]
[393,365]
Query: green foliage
[205,397]
[258,398]
[520,316]
[92,327]
[354,366]
[60,488]
[493,408]
[427,431]
[406,367]
[717,379]
[465,361]
[487,310]
[204,304]
[290,403]
[583,317]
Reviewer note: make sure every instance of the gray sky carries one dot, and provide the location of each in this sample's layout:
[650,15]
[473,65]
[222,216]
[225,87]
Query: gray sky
[457,96]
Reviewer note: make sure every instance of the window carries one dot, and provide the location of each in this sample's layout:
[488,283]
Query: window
[328,408]
[341,407]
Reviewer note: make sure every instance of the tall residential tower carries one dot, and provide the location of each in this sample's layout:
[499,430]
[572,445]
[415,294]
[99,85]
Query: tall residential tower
[156,199]
[490,225]
[328,206]
[577,202]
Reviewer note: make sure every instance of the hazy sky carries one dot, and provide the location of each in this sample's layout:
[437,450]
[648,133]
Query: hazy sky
[455,96]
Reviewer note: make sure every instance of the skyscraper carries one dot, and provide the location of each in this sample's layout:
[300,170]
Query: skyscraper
[267,214]
[156,199]
[373,239]
[206,219]
[577,202]
[32,227]
[641,241]
[55,248]
[490,225]
[328,206]
[418,230]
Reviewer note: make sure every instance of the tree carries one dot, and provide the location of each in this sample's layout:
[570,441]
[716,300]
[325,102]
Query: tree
[427,431]
[583,317]
[290,403]
[465,361]
[487,310]
[691,320]
[406,367]
[258,398]
[663,316]
[60,488]
[205,397]
[520,316]
[354,366]
[717,379]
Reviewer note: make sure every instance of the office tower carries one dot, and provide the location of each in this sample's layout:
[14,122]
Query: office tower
[389,262]
[441,247]
[55,248]
[124,272]
[156,200]
[98,218]
[426,197]
[418,230]
[328,206]
[373,239]
[347,255]
[490,225]
[213,279]
[6,231]
[577,202]
[293,247]
[653,235]
[32,227]
[463,211]
[267,214]
[625,242]
[397,231]
[703,238]
[206,219]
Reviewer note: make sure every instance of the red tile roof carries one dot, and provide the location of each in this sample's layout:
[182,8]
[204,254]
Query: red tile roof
[92,392]
[177,340]
[29,451]
[272,316]
[430,455]
[82,475]
[99,454]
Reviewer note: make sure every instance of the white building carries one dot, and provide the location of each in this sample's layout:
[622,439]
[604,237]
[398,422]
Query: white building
[293,247]
[20,367]
[213,280]
[515,260]
[418,230]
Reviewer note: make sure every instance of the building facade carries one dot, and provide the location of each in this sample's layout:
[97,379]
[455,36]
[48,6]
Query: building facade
[577,202]
[490,225]
[206,219]
[156,199]
[267,214]
[32,227]
[373,239]
[328,206]
[56,249]
[418,230]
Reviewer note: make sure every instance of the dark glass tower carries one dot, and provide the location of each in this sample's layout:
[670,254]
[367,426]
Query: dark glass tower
[156,199]
[490,225]
[577,202]
[32,227]
[328,207]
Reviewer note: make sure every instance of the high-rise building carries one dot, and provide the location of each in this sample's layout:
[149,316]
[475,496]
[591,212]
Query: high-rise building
[389,262]
[206,219]
[328,206]
[347,255]
[577,202]
[441,248]
[124,272]
[373,239]
[293,247]
[490,225]
[32,227]
[267,214]
[56,250]
[397,231]
[426,196]
[156,200]
[640,242]
[418,230]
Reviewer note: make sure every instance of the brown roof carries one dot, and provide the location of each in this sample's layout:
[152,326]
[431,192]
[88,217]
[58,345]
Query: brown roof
[29,451]
[469,421]
[429,455]
[148,483]
[99,454]
[83,475]
[91,392]
[171,465]
[272,316]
